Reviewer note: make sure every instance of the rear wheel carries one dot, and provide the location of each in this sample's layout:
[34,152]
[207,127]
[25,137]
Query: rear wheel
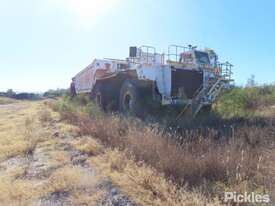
[130,101]
[73,90]
[99,96]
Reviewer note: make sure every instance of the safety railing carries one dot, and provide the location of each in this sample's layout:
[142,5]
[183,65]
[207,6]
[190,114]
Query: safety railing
[175,51]
[225,70]
[147,54]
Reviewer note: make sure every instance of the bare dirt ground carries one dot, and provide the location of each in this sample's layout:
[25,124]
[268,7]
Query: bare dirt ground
[44,161]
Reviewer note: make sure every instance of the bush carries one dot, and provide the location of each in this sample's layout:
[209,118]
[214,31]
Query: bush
[244,102]
[81,104]
[233,103]
[56,93]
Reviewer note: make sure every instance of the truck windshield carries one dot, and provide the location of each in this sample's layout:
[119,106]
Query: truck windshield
[202,57]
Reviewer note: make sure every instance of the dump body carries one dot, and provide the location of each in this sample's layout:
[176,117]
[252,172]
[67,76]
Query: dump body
[85,80]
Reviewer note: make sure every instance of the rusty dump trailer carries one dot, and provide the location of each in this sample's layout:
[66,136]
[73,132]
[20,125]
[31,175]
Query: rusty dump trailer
[185,76]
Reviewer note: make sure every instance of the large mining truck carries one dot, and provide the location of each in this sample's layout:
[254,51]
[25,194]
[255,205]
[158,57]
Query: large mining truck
[184,76]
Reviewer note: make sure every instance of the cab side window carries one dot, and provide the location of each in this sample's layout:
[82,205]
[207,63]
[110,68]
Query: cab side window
[187,58]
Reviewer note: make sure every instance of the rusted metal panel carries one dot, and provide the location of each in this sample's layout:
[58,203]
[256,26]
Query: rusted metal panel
[99,69]
[83,80]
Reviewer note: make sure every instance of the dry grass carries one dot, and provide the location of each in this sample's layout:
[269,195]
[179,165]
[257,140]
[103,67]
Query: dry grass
[88,145]
[209,161]
[6,100]
[83,199]
[267,111]
[78,182]
[143,184]
[68,179]
[151,166]
[16,191]
[45,115]
[29,137]
[65,128]
[59,158]
[18,134]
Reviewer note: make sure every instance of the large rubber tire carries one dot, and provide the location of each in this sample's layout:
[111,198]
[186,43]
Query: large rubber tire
[130,100]
[99,96]
[72,90]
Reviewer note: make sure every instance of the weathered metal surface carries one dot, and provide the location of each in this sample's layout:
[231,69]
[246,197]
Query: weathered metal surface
[186,82]
[86,79]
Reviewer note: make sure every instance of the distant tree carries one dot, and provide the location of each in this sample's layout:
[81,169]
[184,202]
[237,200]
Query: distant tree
[28,96]
[55,93]
[10,93]
[251,81]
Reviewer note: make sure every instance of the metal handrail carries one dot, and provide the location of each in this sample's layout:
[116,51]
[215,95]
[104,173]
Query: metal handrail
[148,48]
[176,49]
[226,70]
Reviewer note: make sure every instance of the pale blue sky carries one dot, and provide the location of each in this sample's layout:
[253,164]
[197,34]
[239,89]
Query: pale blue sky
[45,42]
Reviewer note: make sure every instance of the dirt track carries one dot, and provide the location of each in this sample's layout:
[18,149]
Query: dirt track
[52,172]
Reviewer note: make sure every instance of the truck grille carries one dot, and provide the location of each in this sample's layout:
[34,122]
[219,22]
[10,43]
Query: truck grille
[186,81]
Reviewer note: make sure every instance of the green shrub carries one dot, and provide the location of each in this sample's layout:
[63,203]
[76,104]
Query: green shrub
[243,102]
[81,100]
[80,104]
[92,110]
[232,103]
